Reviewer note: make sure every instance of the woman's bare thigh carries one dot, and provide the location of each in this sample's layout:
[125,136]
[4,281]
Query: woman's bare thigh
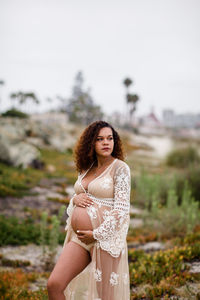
[71,262]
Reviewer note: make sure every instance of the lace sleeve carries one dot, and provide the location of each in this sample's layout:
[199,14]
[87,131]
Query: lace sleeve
[111,234]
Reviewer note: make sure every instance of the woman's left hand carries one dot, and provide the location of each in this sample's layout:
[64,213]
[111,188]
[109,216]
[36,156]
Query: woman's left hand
[85,236]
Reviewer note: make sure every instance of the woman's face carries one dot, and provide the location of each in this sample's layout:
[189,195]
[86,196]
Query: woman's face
[105,142]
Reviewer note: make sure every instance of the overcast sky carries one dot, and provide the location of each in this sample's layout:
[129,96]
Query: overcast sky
[156,43]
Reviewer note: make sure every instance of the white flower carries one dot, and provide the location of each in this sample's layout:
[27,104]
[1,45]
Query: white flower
[92,212]
[97,275]
[106,183]
[114,278]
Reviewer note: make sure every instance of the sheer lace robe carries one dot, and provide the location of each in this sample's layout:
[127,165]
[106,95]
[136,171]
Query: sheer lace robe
[107,276]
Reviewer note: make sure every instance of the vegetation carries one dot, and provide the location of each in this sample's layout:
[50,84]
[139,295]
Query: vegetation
[170,211]
[81,107]
[171,215]
[14,113]
[163,271]
[23,97]
[17,182]
[15,285]
[16,231]
[131,99]
[182,158]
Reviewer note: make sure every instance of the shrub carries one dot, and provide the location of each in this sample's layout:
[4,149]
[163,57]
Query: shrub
[193,178]
[18,232]
[14,113]
[162,270]
[170,206]
[25,231]
[182,158]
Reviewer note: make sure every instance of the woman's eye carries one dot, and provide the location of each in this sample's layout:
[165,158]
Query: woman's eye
[101,139]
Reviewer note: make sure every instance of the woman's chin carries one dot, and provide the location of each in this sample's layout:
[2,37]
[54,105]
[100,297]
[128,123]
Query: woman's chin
[105,154]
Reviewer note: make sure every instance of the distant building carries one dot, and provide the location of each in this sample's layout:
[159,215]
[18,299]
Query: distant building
[173,120]
[150,124]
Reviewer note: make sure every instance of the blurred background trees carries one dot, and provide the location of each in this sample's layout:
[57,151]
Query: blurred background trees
[81,107]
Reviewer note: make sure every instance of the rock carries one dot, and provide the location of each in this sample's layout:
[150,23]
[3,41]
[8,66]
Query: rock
[135,210]
[17,154]
[12,128]
[70,190]
[135,223]
[32,253]
[40,283]
[194,267]
[45,193]
[60,142]
[189,291]
[35,141]
[55,132]
[152,246]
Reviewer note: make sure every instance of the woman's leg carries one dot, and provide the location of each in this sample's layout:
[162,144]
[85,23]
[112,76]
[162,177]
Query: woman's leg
[71,262]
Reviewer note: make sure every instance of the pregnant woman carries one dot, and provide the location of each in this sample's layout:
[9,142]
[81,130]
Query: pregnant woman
[93,264]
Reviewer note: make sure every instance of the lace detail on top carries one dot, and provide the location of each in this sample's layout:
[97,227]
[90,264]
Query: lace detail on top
[92,212]
[106,183]
[104,201]
[111,234]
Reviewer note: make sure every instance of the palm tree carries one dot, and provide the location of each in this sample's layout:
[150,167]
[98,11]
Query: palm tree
[131,99]
[127,82]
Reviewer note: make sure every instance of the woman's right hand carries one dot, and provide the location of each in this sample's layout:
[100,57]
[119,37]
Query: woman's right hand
[82,200]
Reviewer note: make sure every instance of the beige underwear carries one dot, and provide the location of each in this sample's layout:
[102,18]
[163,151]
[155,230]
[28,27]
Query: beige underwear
[75,239]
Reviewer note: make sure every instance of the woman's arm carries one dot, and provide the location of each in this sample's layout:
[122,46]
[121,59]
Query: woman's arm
[112,232]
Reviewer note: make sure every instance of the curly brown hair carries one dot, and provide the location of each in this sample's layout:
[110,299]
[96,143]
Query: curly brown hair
[84,151]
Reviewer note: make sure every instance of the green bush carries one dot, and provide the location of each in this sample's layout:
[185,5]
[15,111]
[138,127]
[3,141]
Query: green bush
[18,232]
[25,231]
[169,202]
[193,177]
[182,158]
[14,113]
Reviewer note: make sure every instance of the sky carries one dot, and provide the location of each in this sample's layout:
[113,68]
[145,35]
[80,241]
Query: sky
[156,43]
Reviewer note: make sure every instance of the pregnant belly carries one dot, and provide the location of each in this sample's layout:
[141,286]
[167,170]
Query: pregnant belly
[80,219]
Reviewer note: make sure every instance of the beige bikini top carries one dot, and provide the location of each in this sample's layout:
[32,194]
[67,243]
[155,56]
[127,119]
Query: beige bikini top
[101,186]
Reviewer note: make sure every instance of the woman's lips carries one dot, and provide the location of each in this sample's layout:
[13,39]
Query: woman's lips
[105,148]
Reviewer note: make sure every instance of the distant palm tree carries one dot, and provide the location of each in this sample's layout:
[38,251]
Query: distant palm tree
[127,82]
[131,99]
